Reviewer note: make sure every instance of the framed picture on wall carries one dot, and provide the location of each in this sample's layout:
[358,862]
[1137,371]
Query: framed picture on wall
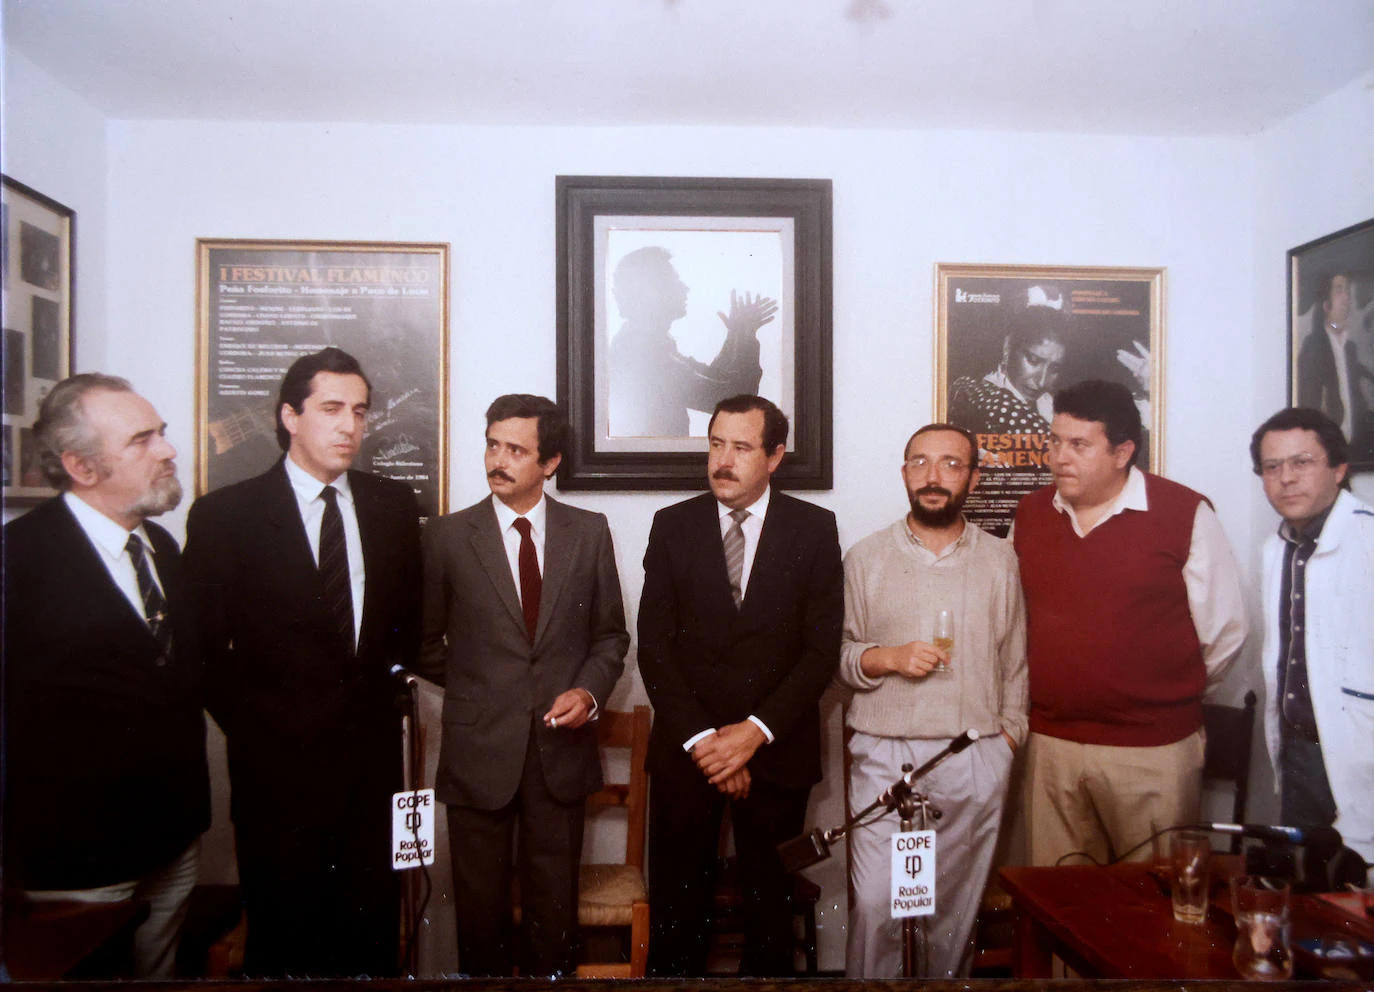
[1008,336]
[676,293]
[1331,333]
[37,252]
[260,305]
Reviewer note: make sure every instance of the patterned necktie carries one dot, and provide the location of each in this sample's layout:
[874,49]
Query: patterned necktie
[734,554]
[531,583]
[338,589]
[154,606]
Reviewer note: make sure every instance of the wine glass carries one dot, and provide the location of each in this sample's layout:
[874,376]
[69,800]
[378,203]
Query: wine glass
[944,639]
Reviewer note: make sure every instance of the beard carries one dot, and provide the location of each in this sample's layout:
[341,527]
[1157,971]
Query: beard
[163,495]
[942,516]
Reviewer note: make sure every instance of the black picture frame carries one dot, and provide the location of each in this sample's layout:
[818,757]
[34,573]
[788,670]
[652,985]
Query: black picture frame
[38,259]
[792,214]
[1311,367]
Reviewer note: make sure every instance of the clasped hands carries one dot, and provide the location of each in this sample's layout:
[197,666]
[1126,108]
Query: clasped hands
[724,757]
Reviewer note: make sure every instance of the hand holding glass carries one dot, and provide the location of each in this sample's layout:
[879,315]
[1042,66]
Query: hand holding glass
[943,639]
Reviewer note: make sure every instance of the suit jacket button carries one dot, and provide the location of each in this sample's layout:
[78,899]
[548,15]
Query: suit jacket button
[161,661]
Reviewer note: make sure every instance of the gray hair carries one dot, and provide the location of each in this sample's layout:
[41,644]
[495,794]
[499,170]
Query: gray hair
[62,425]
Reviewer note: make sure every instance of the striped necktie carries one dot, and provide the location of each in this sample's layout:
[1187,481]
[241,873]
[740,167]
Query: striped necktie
[734,554]
[154,606]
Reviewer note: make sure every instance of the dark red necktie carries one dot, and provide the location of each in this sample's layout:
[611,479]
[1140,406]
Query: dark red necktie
[530,581]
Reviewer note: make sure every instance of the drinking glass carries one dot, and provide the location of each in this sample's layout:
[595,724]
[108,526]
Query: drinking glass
[943,638]
[1263,928]
[1189,851]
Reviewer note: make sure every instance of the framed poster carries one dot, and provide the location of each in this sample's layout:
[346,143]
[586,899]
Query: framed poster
[37,257]
[262,304]
[1331,334]
[674,294]
[1008,336]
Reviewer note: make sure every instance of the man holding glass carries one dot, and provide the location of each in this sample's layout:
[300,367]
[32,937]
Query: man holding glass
[1133,609]
[911,696]
[1318,658]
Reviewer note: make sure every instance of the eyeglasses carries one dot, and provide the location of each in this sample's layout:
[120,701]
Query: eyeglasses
[944,466]
[1300,464]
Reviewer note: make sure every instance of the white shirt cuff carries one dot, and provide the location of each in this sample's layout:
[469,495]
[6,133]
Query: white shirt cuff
[696,739]
[762,726]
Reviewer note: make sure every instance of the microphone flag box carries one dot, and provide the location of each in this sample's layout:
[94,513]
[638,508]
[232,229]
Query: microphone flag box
[913,873]
[412,829]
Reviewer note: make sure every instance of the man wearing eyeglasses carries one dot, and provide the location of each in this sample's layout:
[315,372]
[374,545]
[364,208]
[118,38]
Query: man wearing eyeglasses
[1134,610]
[910,696]
[1318,659]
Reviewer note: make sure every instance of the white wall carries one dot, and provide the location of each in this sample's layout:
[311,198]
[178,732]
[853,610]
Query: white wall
[903,201]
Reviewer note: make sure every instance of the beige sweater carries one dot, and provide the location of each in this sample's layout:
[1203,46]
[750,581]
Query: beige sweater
[892,588]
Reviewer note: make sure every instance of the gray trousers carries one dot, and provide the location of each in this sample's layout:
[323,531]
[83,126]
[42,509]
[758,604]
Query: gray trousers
[969,788]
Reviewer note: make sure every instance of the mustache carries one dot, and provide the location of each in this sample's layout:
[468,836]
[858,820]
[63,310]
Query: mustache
[496,473]
[725,475]
[933,490]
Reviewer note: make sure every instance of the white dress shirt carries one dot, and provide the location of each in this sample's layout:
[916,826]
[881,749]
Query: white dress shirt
[505,519]
[308,500]
[752,526]
[1337,338]
[110,541]
[1215,597]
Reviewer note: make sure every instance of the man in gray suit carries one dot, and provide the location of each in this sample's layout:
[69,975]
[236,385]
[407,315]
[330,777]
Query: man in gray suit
[524,626]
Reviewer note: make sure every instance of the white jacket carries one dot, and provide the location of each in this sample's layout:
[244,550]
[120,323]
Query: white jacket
[1340,660]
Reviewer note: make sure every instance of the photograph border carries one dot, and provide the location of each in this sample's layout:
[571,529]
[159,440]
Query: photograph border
[203,296]
[65,220]
[1296,258]
[579,201]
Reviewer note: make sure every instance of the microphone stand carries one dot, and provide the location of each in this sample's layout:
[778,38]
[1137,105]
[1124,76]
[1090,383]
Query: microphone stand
[910,804]
[412,772]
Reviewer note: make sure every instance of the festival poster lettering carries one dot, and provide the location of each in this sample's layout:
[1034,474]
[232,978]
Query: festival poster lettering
[264,304]
[1009,337]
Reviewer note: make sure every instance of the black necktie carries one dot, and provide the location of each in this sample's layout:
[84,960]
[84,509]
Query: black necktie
[531,583]
[338,590]
[154,606]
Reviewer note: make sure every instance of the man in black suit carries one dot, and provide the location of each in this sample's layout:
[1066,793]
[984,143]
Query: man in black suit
[739,634]
[306,581]
[106,787]
[524,626]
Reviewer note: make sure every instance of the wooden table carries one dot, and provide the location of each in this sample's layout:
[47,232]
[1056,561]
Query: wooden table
[1118,922]
[47,941]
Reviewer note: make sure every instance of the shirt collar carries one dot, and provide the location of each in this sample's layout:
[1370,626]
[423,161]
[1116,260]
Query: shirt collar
[962,541]
[758,508]
[1308,534]
[103,532]
[308,487]
[1132,497]
[506,517]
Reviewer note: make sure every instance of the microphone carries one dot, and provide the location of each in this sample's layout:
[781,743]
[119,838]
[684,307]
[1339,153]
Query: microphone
[1321,838]
[955,746]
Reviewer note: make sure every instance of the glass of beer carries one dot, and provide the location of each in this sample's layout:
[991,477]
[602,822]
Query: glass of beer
[943,639]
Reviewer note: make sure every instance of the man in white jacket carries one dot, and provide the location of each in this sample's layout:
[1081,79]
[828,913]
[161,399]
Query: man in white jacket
[1318,660]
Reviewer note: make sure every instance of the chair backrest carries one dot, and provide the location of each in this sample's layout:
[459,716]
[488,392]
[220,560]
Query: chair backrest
[617,729]
[1230,731]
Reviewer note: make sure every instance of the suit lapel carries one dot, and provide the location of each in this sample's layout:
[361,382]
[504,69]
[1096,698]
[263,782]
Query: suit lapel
[769,558]
[104,596]
[704,533]
[371,534]
[484,535]
[286,536]
[560,547]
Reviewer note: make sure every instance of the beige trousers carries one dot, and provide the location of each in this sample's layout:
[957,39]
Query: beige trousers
[1106,801]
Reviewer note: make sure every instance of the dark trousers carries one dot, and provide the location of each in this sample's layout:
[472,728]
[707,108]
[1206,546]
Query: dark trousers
[548,851]
[321,899]
[684,829]
[1305,798]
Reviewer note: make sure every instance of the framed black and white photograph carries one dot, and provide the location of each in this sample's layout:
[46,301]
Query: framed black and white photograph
[263,304]
[674,294]
[1008,336]
[1331,333]
[37,249]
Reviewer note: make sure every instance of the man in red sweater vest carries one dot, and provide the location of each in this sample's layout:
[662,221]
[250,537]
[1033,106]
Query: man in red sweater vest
[1134,608]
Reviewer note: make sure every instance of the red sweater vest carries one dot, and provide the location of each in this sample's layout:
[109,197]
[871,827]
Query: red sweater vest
[1113,654]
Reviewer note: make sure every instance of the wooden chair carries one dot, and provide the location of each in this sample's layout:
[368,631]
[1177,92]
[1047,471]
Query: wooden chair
[614,895]
[1230,730]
